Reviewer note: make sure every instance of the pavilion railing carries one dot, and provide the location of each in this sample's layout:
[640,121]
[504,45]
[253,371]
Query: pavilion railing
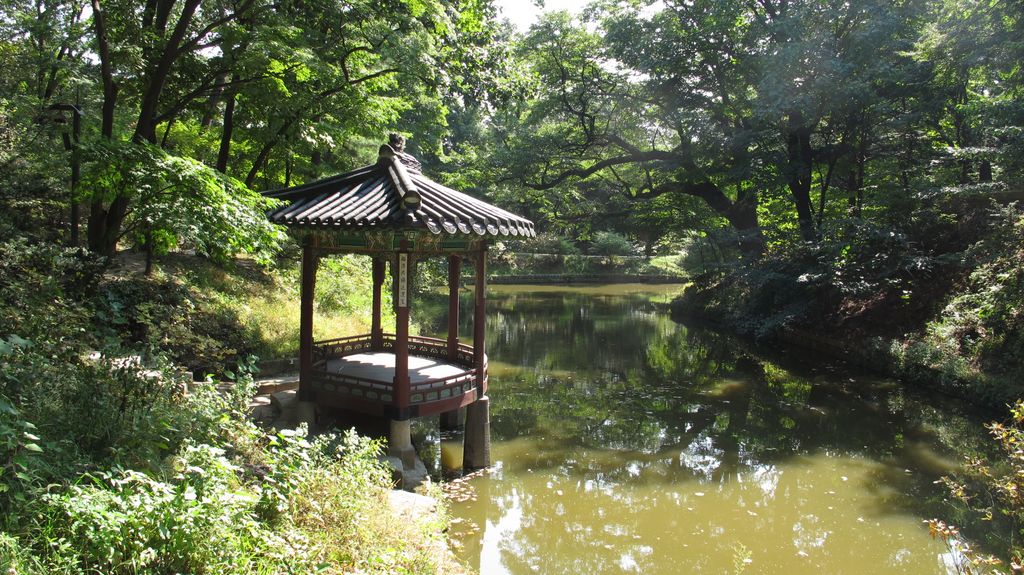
[340,347]
[418,345]
[424,392]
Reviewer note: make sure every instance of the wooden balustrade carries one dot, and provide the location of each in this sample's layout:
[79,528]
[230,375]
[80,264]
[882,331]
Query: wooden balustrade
[370,395]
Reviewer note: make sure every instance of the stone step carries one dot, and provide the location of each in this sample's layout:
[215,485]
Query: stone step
[275,384]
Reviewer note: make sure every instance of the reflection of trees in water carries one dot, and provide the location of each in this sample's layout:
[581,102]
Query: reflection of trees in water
[607,392]
[609,372]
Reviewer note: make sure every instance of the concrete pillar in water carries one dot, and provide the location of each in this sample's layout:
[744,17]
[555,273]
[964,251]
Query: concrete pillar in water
[476,446]
[400,442]
[451,420]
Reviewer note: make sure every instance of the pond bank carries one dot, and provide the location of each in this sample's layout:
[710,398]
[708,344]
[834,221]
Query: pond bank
[900,360]
[572,279]
[275,406]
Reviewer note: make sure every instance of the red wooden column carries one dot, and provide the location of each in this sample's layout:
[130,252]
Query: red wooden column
[310,262]
[480,321]
[454,275]
[403,268]
[376,332]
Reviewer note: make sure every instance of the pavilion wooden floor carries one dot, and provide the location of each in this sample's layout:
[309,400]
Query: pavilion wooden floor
[380,366]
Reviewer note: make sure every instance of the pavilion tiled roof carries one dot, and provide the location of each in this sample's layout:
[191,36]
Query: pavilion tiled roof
[392,194]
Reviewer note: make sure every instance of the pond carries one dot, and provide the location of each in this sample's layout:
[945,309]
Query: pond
[625,442]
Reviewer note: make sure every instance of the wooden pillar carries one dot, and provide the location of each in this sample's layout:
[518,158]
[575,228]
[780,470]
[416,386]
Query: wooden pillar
[476,447]
[403,268]
[310,262]
[454,276]
[480,321]
[376,332]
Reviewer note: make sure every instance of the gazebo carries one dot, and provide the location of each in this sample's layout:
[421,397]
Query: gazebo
[393,213]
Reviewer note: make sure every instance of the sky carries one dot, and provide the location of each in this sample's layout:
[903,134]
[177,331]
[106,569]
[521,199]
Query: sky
[523,13]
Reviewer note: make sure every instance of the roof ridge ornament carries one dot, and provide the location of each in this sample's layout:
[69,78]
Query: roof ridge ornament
[396,143]
[390,158]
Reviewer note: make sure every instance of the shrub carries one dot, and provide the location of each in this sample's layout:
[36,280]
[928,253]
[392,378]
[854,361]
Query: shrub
[200,520]
[612,244]
[993,488]
[19,461]
[195,330]
[41,286]
[985,321]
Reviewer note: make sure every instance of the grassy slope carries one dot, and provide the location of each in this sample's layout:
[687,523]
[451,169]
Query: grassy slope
[266,302]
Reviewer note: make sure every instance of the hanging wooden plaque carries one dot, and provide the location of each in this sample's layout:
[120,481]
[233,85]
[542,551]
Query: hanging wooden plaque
[403,280]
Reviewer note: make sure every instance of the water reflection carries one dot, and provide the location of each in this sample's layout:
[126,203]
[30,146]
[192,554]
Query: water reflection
[628,443]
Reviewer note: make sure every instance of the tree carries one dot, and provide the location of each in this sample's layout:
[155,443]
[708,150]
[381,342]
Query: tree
[724,101]
[147,53]
[178,200]
[266,92]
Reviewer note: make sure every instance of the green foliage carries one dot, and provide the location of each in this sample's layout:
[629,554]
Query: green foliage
[992,488]
[129,522]
[859,269]
[611,244]
[39,283]
[180,202]
[344,284]
[195,329]
[19,462]
[984,322]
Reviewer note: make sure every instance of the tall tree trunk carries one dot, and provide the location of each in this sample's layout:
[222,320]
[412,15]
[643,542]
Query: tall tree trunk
[862,160]
[214,100]
[106,71]
[104,225]
[985,171]
[825,184]
[743,218]
[268,147]
[160,70]
[800,158]
[224,153]
[741,214]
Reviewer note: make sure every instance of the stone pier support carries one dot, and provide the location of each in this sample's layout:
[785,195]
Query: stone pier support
[477,443]
[400,442]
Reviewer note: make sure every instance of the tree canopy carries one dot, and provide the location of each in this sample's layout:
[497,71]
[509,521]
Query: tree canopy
[265,93]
